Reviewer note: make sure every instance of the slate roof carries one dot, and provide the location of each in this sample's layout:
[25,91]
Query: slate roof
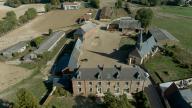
[75,55]
[132,24]
[49,43]
[15,48]
[71,3]
[88,26]
[161,34]
[144,48]
[187,95]
[129,73]
[106,13]
[175,98]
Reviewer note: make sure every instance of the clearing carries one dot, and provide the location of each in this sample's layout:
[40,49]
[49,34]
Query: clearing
[10,75]
[56,19]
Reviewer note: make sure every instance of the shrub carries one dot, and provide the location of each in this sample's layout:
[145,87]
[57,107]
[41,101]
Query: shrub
[31,13]
[13,3]
[95,3]
[48,7]
[61,92]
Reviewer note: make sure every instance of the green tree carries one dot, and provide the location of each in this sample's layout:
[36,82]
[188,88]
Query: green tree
[145,16]
[25,99]
[31,13]
[118,4]
[13,3]
[95,3]
[48,7]
[110,101]
[10,21]
[141,100]
[55,2]
[154,2]
[23,19]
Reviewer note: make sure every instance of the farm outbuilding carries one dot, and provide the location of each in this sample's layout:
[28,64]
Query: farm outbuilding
[50,43]
[163,37]
[85,30]
[106,13]
[17,48]
[70,5]
[143,50]
[125,25]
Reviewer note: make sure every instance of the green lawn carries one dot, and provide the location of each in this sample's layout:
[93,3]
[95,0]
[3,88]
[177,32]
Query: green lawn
[180,27]
[166,69]
[177,10]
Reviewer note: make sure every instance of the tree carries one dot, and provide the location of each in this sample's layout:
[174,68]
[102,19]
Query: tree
[110,101]
[47,7]
[95,3]
[145,16]
[23,19]
[154,2]
[55,2]
[141,100]
[118,4]
[25,99]
[13,3]
[31,13]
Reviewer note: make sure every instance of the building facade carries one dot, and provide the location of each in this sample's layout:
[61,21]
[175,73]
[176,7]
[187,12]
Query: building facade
[118,81]
[71,5]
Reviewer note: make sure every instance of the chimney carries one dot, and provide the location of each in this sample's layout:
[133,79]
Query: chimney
[101,67]
[118,68]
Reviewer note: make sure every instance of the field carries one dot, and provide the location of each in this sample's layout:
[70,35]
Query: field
[20,10]
[58,19]
[11,75]
[163,69]
[180,27]
[183,11]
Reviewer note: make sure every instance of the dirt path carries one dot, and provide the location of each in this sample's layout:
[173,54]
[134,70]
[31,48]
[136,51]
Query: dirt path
[10,75]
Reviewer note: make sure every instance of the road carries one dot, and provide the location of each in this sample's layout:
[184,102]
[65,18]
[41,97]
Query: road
[153,97]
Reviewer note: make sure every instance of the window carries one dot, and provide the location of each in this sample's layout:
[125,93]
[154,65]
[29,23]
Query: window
[137,89]
[90,89]
[108,89]
[138,83]
[117,90]
[99,90]
[126,90]
[117,83]
[79,83]
[99,83]
[108,83]
[90,83]
[79,90]
[126,83]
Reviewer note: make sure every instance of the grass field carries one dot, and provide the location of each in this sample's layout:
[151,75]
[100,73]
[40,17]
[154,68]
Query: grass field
[177,10]
[179,26]
[166,69]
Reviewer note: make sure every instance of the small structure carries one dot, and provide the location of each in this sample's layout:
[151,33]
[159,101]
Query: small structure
[106,14]
[50,43]
[143,50]
[85,30]
[175,98]
[163,37]
[84,18]
[124,24]
[17,48]
[71,5]
[117,80]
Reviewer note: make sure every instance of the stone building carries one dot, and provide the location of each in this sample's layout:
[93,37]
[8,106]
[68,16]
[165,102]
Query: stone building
[143,50]
[70,5]
[117,80]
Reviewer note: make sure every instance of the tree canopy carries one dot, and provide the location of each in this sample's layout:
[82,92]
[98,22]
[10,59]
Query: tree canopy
[25,99]
[95,3]
[145,16]
[110,101]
